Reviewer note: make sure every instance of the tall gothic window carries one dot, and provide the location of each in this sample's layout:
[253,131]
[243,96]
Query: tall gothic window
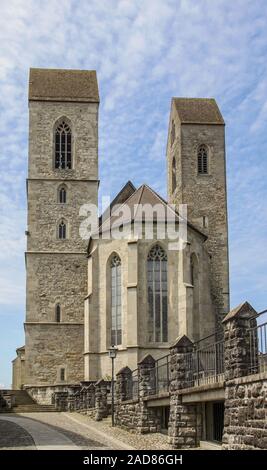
[202,160]
[173,174]
[62,194]
[58,313]
[62,230]
[116,327]
[157,285]
[63,146]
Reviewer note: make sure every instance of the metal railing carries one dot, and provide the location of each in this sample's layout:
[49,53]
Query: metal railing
[132,386]
[258,348]
[205,365]
[162,375]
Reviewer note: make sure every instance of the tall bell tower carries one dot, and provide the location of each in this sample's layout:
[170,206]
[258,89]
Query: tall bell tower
[62,176]
[197,177]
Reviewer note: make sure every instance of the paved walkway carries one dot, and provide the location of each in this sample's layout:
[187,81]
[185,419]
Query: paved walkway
[51,431]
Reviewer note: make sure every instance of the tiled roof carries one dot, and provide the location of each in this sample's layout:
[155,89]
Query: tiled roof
[198,110]
[142,196]
[63,85]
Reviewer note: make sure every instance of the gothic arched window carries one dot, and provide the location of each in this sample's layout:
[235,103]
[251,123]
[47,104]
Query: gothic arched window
[63,158]
[116,326]
[157,289]
[58,313]
[202,160]
[174,183]
[62,230]
[62,194]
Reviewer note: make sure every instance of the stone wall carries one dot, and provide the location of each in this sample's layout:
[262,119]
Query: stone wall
[245,415]
[246,390]
[46,395]
[52,347]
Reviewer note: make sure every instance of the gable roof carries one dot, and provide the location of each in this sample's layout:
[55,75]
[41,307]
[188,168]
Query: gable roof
[142,196]
[63,85]
[198,111]
[127,190]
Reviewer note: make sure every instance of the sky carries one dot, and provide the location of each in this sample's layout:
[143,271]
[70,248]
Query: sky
[145,52]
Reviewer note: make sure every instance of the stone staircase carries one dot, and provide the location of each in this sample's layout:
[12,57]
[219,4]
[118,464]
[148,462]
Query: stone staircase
[22,402]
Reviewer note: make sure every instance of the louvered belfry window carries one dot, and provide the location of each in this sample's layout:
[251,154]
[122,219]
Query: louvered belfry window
[63,159]
[202,160]
[157,292]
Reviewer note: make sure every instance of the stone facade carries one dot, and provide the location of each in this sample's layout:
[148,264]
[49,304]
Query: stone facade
[135,345]
[56,268]
[204,194]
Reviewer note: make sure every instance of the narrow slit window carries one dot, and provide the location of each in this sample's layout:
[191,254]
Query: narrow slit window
[58,313]
[62,375]
[174,182]
[62,230]
[62,195]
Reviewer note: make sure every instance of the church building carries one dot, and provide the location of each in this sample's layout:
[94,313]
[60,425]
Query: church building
[85,295]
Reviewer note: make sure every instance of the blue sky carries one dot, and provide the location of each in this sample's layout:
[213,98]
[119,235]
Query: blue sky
[145,52]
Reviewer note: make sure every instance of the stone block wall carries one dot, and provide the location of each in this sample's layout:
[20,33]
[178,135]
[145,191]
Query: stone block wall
[245,418]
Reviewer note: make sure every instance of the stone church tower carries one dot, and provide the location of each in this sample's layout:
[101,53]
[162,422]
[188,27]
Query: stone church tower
[197,177]
[63,175]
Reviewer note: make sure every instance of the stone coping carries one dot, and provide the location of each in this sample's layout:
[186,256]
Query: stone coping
[52,385]
[200,388]
[249,378]
[157,397]
[128,402]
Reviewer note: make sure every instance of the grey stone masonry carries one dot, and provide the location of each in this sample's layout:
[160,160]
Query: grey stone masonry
[245,414]
[91,396]
[135,414]
[146,370]
[101,404]
[183,420]
[240,341]
[123,382]
[61,401]
[57,267]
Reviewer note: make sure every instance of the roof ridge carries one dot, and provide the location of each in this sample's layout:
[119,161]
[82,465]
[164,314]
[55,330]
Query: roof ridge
[140,197]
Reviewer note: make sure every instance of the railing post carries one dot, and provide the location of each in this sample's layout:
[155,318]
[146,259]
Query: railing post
[147,376]
[123,378]
[238,352]
[183,425]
